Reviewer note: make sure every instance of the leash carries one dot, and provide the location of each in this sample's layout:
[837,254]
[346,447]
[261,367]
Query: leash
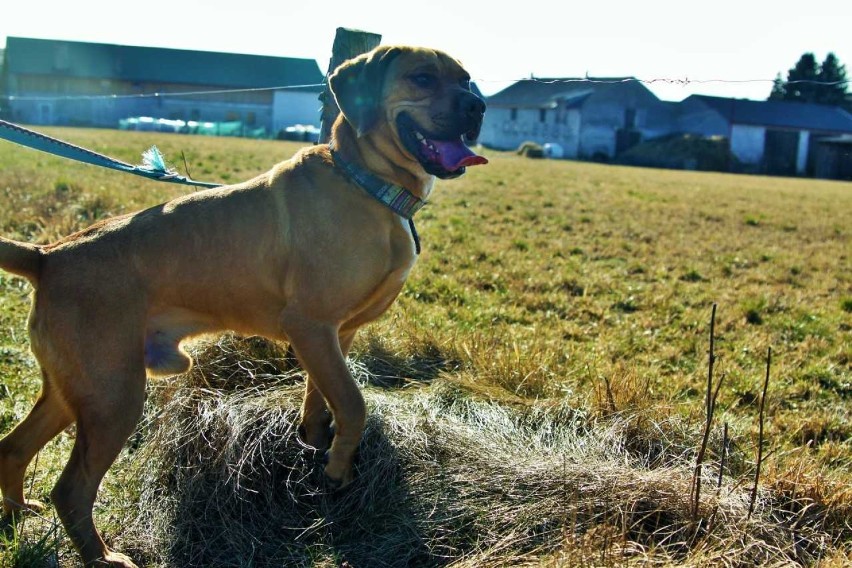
[153,164]
[397,198]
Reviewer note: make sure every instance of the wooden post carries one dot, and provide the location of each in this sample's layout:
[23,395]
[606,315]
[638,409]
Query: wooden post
[347,44]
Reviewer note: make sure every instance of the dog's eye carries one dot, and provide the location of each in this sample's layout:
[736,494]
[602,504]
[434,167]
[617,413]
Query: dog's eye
[465,84]
[424,80]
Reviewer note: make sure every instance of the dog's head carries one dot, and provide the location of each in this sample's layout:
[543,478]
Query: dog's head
[420,99]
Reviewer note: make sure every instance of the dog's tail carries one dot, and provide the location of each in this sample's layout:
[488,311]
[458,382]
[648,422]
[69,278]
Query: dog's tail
[22,259]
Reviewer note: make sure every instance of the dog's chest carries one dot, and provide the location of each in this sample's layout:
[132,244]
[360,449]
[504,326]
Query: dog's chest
[388,287]
[379,300]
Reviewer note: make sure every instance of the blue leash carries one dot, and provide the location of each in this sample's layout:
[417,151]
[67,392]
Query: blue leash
[154,165]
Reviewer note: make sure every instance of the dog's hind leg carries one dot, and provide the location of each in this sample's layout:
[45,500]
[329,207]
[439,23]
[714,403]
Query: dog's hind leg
[103,425]
[47,418]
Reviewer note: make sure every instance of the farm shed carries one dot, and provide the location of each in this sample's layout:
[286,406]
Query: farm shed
[833,158]
[42,77]
[771,137]
[589,118]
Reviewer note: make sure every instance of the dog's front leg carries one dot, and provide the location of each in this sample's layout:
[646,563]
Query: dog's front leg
[318,348]
[315,418]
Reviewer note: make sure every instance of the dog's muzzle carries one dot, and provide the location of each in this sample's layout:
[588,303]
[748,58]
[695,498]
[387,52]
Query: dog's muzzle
[444,153]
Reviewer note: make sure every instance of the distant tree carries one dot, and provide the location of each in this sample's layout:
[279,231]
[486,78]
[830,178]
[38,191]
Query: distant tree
[779,89]
[800,80]
[833,74]
[810,82]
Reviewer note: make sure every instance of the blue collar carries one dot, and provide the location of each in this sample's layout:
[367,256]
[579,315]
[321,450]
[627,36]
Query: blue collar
[395,197]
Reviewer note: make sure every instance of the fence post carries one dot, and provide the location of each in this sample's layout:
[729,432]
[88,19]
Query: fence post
[347,44]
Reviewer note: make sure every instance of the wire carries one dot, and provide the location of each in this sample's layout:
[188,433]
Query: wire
[154,95]
[671,81]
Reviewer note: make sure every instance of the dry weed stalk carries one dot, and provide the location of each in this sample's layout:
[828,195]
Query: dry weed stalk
[712,395]
[760,434]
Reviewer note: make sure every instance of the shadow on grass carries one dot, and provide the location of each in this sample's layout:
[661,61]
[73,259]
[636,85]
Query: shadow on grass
[386,369]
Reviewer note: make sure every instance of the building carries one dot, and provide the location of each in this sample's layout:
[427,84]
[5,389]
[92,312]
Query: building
[587,118]
[771,137]
[600,119]
[832,157]
[91,84]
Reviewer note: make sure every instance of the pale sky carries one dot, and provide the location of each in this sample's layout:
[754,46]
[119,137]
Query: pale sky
[499,41]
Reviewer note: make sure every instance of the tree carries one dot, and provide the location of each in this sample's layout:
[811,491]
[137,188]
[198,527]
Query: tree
[833,74]
[810,82]
[801,80]
[779,89]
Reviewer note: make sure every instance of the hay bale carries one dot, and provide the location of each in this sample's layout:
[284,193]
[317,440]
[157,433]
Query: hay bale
[233,362]
[442,477]
[530,150]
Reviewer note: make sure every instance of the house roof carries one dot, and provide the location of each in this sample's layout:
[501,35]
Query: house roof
[156,64]
[545,92]
[783,114]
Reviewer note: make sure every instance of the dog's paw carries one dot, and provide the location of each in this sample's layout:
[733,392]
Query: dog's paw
[34,506]
[337,477]
[28,506]
[114,560]
[318,437]
[335,485]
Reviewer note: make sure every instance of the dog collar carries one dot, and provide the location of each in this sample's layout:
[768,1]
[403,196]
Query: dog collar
[395,197]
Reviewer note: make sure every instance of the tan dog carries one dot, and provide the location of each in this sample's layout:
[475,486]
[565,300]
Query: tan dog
[301,254]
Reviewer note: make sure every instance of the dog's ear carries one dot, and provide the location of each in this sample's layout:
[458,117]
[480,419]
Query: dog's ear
[357,87]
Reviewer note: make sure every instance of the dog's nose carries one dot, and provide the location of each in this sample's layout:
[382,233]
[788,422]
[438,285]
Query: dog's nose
[471,106]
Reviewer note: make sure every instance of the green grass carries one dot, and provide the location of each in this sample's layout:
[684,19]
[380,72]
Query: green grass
[546,289]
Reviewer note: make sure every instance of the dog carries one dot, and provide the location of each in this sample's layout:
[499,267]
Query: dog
[306,254]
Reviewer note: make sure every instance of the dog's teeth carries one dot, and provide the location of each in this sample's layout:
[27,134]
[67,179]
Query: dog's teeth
[420,136]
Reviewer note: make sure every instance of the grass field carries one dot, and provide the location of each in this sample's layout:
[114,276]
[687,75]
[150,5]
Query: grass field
[536,394]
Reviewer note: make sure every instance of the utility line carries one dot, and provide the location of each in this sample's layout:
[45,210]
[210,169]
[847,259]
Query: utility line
[670,81]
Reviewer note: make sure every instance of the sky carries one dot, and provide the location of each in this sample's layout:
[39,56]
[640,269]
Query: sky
[679,47]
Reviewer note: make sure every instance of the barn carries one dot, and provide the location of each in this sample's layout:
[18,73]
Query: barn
[832,158]
[770,137]
[92,84]
[590,118]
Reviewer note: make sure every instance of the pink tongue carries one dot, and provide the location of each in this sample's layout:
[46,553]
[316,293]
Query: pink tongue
[454,155]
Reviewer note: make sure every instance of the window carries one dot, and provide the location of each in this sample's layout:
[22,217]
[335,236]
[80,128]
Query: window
[513,114]
[542,115]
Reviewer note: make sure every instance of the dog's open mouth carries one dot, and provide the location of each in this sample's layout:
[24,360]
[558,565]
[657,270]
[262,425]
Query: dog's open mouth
[440,155]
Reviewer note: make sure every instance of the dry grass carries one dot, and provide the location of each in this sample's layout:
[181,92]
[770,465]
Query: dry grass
[536,393]
[445,477]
